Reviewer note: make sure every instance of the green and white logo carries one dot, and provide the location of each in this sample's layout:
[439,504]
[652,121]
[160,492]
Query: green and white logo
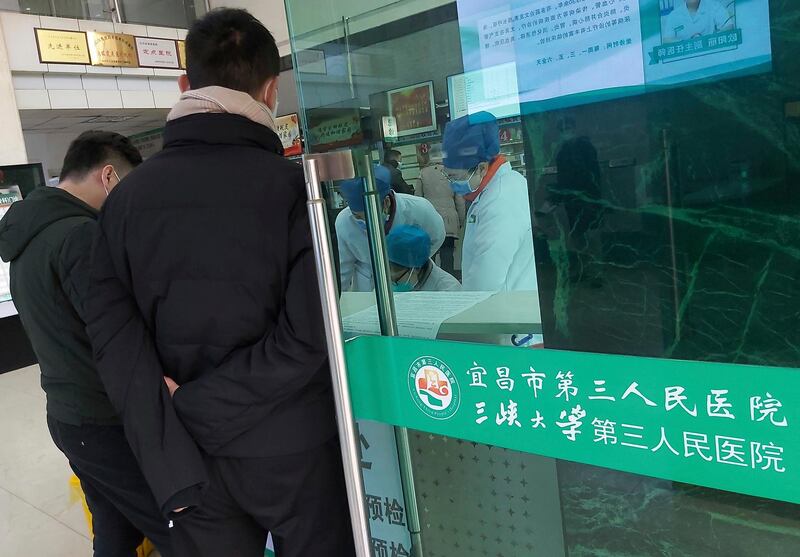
[434,388]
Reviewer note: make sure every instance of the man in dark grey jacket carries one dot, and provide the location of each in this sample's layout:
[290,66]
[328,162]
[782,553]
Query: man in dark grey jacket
[47,237]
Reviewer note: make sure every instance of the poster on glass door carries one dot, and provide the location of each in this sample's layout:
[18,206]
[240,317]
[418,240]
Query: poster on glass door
[569,52]
[386,508]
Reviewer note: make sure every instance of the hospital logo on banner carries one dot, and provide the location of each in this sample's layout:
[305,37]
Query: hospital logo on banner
[434,388]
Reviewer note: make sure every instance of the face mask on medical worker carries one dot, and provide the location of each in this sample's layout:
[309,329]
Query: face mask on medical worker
[360,218]
[469,183]
[408,248]
[405,285]
[362,223]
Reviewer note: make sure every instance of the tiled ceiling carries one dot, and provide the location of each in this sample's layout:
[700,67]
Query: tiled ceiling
[127,122]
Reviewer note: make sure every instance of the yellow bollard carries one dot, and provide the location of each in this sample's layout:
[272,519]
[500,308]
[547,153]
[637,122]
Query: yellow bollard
[77,493]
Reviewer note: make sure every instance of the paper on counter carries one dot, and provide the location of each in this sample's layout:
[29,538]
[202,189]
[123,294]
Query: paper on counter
[419,314]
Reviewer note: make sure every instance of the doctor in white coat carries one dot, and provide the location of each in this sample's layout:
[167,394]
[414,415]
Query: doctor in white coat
[696,18]
[498,242]
[399,209]
[411,266]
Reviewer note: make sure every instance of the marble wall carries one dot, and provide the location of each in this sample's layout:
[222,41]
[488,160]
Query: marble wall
[685,245]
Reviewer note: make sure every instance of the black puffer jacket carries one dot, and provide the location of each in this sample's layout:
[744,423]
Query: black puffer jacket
[204,271]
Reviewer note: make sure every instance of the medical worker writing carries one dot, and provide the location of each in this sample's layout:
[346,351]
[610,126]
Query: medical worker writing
[351,228]
[695,18]
[411,266]
[498,243]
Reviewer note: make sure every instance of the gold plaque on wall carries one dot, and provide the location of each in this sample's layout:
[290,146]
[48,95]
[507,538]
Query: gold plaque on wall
[182,54]
[112,49]
[62,47]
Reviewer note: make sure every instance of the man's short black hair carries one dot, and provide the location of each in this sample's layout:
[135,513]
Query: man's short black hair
[94,149]
[231,48]
[392,155]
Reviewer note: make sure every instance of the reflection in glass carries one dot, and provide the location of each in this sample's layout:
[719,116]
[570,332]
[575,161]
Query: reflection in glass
[165,13]
[662,167]
[595,51]
[498,244]
[411,266]
[399,209]
[97,10]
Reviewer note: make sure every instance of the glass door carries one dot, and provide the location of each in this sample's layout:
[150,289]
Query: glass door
[583,220]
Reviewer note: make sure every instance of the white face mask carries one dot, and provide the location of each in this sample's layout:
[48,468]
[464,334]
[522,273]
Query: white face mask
[273,111]
[105,188]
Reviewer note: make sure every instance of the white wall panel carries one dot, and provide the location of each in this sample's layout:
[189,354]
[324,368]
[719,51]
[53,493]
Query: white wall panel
[138,99]
[166,99]
[68,99]
[32,100]
[28,81]
[104,99]
[54,81]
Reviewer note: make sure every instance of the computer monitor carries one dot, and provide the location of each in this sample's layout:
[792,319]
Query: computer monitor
[491,90]
[414,108]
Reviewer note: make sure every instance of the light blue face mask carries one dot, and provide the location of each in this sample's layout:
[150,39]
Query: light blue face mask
[406,285]
[463,187]
[403,287]
[362,224]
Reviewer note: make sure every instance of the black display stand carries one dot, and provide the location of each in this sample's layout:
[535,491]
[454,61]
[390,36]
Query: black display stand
[15,350]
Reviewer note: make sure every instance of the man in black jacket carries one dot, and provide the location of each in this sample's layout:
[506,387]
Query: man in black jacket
[47,238]
[393,160]
[204,273]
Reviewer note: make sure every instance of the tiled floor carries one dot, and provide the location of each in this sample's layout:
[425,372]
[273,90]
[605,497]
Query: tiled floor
[39,517]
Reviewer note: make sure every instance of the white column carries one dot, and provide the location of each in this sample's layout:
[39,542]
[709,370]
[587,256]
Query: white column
[12,143]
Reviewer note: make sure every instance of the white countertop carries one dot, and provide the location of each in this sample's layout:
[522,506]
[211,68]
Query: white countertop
[502,313]
[7,309]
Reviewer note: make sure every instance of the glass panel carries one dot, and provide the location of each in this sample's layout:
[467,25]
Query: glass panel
[658,145]
[98,10]
[165,13]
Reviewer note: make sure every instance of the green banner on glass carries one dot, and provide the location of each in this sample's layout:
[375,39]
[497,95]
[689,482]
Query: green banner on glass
[724,426]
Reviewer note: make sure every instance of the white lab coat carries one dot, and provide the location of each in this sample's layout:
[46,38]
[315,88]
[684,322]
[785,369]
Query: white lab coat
[355,267]
[439,280]
[710,17]
[498,243]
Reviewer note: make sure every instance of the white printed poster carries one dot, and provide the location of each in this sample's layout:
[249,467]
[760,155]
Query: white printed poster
[569,52]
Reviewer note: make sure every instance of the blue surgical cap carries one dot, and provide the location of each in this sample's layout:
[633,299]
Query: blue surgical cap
[471,140]
[353,190]
[408,246]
